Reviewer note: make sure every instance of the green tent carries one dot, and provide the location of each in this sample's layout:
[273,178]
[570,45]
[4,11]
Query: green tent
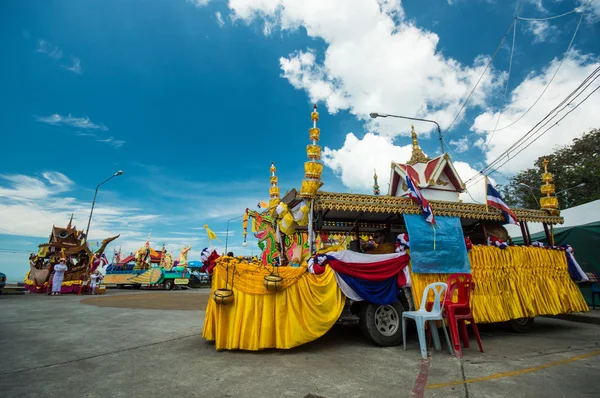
[585,240]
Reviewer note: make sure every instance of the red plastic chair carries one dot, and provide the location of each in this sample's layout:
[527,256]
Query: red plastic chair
[459,311]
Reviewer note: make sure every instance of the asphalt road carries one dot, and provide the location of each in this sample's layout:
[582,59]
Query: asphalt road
[59,347]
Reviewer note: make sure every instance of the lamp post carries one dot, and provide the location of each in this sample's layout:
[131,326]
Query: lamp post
[532,191]
[568,189]
[227,232]
[118,173]
[375,115]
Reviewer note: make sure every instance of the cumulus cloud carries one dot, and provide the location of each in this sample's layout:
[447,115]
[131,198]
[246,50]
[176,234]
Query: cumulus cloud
[573,71]
[461,145]
[374,58]
[541,30]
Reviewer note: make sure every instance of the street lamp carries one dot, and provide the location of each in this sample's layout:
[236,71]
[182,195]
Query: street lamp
[227,233]
[118,173]
[532,190]
[375,115]
[568,189]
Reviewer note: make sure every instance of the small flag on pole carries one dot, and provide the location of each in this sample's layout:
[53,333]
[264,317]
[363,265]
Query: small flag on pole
[494,199]
[262,205]
[211,234]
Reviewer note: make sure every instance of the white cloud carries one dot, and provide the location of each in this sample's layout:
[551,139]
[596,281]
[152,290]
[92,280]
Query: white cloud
[461,145]
[220,20]
[112,141]
[199,3]
[69,120]
[19,186]
[573,71]
[75,66]
[374,58]
[375,153]
[541,30]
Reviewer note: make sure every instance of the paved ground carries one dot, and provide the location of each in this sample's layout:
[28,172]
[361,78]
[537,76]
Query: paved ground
[58,347]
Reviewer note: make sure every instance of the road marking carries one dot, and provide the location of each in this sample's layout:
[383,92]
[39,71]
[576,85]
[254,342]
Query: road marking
[419,387]
[514,373]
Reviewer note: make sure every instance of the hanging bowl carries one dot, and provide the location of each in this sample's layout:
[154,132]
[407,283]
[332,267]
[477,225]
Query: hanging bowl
[223,296]
[273,283]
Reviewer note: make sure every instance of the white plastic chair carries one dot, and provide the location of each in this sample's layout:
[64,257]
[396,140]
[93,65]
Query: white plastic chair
[422,315]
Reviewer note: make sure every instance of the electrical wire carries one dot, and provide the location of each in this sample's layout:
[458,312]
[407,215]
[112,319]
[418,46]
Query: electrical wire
[525,136]
[496,168]
[545,88]
[576,9]
[487,66]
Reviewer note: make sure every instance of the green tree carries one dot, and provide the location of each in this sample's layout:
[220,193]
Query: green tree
[570,165]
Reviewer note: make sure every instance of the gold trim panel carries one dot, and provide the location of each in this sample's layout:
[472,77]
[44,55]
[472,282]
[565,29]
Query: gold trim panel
[395,205]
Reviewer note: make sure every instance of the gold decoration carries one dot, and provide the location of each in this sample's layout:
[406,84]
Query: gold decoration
[274,191]
[273,283]
[315,133]
[313,168]
[223,296]
[440,182]
[548,202]
[274,180]
[375,184]
[313,152]
[397,205]
[417,153]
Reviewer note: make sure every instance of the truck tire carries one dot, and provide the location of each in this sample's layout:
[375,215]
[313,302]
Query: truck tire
[169,284]
[382,324]
[520,325]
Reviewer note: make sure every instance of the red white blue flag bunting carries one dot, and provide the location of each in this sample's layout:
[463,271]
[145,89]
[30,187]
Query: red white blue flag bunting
[415,195]
[495,200]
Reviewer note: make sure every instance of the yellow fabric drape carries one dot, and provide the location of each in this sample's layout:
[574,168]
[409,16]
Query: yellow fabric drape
[514,283]
[307,307]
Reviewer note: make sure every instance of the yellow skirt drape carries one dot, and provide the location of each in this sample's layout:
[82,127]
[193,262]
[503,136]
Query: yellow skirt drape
[515,282]
[306,308]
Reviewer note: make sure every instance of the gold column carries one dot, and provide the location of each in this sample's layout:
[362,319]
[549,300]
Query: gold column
[314,167]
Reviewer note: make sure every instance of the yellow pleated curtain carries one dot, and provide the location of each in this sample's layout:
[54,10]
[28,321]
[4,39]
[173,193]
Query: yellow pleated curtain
[306,308]
[515,282]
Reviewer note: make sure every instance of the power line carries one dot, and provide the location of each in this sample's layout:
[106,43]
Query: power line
[520,141]
[576,9]
[487,66]
[525,136]
[545,88]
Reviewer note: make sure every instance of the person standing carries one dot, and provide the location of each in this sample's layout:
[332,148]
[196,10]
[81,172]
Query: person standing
[59,274]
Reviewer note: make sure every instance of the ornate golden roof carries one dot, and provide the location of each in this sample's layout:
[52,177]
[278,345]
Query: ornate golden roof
[395,205]
[417,153]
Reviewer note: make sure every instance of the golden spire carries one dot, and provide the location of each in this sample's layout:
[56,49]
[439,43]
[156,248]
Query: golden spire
[313,168]
[375,185]
[548,202]
[274,189]
[417,153]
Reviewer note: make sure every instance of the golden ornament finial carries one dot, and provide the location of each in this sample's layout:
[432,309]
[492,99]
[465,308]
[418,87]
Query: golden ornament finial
[375,185]
[417,153]
[313,168]
[274,189]
[548,202]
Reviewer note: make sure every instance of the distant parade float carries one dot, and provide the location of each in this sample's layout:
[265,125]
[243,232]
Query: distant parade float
[149,267]
[325,252]
[65,245]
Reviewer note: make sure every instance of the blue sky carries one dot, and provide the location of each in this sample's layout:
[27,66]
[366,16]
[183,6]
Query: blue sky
[194,99]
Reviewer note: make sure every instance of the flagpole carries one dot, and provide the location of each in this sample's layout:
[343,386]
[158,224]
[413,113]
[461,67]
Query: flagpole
[486,193]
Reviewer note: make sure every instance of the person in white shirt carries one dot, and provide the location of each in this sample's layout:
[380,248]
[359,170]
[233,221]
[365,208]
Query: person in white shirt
[96,277]
[59,274]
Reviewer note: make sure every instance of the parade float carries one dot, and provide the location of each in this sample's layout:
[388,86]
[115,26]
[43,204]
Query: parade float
[149,267]
[69,244]
[316,258]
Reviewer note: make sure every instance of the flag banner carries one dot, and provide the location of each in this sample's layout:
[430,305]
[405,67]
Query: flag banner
[211,234]
[375,278]
[494,199]
[415,194]
[450,253]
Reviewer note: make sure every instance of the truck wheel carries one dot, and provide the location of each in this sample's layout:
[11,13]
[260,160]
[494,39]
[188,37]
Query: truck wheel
[169,284]
[520,325]
[382,324]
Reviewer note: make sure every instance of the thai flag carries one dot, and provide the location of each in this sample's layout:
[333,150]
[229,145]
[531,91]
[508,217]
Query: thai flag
[494,200]
[415,195]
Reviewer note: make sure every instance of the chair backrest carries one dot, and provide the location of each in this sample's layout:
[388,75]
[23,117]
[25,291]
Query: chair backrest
[439,289]
[462,284]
